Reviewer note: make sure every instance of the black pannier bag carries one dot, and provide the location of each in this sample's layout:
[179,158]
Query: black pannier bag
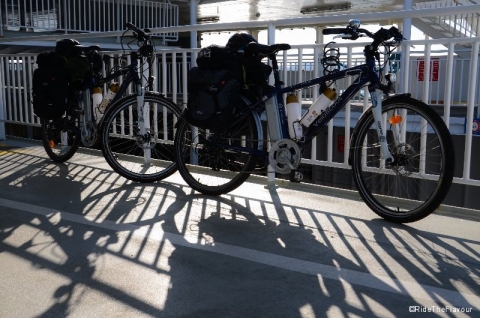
[215,57]
[255,73]
[50,86]
[213,98]
[78,64]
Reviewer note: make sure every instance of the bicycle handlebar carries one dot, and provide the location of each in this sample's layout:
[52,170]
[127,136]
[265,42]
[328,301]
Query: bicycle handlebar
[141,35]
[145,42]
[334,31]
[378,37]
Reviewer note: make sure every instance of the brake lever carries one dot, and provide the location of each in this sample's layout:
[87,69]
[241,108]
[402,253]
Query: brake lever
[400,38]
[343,36]
[392,43]
[347,36]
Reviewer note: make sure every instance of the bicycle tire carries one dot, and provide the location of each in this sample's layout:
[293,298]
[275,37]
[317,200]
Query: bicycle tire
[217,170]
[422,172]
[121,142]
[52,132]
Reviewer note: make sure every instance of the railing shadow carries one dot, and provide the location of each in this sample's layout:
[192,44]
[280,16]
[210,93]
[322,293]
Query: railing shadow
[93,215]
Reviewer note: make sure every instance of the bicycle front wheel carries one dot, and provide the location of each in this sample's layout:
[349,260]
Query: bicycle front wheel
[137,156]
[59,138]
[216,163]
[417,181]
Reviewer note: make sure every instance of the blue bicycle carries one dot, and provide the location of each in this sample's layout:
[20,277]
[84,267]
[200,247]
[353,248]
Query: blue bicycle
[401,151]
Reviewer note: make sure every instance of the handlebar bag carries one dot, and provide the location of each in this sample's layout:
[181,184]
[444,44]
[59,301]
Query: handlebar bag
[50,86]
[213,98]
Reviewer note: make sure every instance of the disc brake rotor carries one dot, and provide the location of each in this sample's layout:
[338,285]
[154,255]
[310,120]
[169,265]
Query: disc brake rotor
[404,156]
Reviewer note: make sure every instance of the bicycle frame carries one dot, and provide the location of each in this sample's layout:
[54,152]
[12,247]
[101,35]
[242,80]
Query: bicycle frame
[131,73]
[365,74]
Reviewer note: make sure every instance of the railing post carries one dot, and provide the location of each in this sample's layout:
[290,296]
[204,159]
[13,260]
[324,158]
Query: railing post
[271,40]
[1,20]
[467,158]
[65,18]
[193,21]
[447,99]
[407,33]
[2,104]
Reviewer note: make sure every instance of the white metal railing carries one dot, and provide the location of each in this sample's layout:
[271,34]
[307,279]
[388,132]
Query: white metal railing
[88,15]
[454,93]
[173,64]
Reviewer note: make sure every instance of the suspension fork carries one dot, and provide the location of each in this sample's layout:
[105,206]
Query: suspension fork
[87,129]
[144,124]
[88,111]
[377,96]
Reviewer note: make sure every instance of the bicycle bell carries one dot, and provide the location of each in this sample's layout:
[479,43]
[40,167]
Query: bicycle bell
[354,23]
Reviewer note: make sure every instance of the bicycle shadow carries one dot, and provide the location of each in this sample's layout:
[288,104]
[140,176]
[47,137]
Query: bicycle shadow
[239,287]
[58,245]
[65,244]
[204,238]
[253,289]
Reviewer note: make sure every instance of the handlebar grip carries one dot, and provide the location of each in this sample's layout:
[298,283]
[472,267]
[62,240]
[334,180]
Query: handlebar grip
[334,31]
[132,27]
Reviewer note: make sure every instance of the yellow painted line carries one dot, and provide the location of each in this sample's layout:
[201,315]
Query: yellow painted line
[11,149]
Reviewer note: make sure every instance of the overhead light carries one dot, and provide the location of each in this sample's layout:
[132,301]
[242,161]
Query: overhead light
[208,19]
[326,8]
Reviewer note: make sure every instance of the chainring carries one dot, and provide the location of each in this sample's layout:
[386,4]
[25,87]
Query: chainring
[284,156]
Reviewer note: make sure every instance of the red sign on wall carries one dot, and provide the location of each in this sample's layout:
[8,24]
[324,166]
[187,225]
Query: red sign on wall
[341,143]
[434,66]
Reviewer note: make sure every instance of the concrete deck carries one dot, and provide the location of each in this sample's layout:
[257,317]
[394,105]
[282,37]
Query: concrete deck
[78,240]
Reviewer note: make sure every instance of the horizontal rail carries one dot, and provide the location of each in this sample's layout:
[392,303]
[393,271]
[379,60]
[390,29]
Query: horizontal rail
[88,15]
[341,19]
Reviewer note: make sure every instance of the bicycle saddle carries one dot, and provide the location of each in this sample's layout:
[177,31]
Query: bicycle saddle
[267,49]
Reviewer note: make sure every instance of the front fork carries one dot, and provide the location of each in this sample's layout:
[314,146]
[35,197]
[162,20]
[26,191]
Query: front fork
[144,124]
[377,96]
[87,123]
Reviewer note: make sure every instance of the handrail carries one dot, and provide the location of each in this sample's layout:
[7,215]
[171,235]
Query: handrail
[304,21]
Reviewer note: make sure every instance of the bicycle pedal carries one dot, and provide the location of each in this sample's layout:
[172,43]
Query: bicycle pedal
[296,176]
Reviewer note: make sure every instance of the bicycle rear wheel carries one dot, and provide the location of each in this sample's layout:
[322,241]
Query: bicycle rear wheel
[137,157]
[415,184]
[59,139]
[216,163]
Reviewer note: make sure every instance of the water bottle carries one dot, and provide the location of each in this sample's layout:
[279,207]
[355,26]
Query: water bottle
[97,99]
[294,113]
[112,91]
[325,100]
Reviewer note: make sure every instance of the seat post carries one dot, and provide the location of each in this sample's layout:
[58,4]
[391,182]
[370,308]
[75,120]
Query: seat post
[276,73]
